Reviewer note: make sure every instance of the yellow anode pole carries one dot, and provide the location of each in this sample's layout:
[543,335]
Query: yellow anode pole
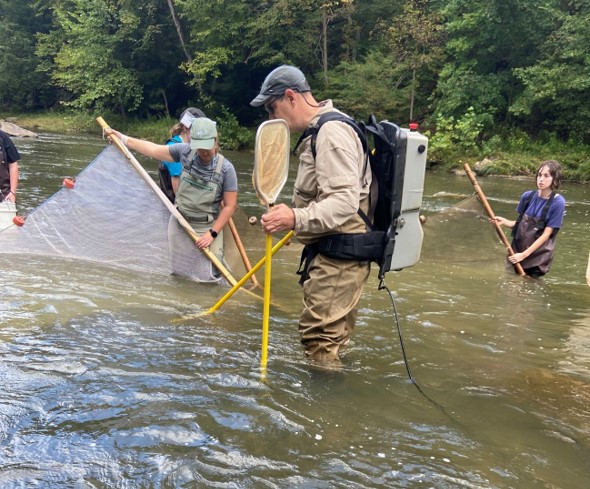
[271,169]
[266,305]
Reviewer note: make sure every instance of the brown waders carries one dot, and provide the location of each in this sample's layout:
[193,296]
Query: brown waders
[330,298]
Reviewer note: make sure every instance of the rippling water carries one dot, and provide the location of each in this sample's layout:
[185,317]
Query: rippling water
[102,389]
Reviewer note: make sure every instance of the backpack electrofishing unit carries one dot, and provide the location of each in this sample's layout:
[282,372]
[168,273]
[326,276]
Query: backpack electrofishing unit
[398,163]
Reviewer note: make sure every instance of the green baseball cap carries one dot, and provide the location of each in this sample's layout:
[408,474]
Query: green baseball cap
[203,133]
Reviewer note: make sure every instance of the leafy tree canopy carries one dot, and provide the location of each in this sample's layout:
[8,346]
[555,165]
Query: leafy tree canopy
[498,64]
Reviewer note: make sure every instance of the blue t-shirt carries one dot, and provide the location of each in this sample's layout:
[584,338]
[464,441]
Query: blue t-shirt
[535,208]
[174,167]
[228,172]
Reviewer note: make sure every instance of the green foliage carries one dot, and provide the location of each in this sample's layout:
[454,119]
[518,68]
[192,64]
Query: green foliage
[454,137]
[81,55]
[557,88]
[231,134]
[487,40]
[520,65]
[463,88]
[226,34]
[155,129]
[21,86]
[369,87]
[393,81]
[515,153]
[57,120]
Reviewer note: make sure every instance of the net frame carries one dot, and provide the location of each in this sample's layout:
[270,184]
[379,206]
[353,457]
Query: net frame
[271,169]
[271,160]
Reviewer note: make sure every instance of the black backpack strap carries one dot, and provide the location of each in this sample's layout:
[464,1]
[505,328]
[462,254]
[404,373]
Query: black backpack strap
[308,132]
[327,117]
[361,133]
[166,181]
[307,255]
[546,208]
[384,166]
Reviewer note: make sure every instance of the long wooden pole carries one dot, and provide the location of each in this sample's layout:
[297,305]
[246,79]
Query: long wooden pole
[241,249]
[517,266]
[173,210]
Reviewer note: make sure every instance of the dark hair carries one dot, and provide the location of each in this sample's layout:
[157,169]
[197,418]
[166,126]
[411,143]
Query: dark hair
[554,170]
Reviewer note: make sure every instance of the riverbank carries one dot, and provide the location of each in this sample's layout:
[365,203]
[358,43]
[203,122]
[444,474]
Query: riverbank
[511,156]
[67,122]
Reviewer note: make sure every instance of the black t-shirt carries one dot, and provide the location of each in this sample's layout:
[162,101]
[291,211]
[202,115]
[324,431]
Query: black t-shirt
[9,148]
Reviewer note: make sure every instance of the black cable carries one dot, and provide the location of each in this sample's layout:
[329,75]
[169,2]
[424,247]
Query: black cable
[401,342]
[399,331]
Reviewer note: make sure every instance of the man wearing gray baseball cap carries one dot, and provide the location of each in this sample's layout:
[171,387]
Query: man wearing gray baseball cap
[278,81]
[328,190]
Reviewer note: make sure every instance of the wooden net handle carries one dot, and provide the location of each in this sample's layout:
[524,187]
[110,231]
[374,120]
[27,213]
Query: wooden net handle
[517,266]
[173,210]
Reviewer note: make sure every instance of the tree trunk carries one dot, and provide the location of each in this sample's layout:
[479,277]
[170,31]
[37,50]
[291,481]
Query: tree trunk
[189,58]
[166,103]
[325,45]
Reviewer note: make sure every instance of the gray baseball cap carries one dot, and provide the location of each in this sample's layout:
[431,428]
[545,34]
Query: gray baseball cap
[188,115]
[279,80]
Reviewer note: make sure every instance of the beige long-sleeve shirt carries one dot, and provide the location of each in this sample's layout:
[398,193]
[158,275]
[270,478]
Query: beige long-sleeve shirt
[329,188]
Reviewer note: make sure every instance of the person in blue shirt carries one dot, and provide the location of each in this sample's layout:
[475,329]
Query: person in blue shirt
[540,216]
[179,133]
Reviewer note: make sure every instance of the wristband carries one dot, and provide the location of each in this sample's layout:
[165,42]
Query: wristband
[213,233]
[124,139]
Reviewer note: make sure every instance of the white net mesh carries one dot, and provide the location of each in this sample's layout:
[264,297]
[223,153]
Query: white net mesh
[271,167]
[111,216]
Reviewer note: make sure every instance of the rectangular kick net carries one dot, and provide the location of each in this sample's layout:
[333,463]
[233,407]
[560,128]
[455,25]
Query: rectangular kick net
[112,216]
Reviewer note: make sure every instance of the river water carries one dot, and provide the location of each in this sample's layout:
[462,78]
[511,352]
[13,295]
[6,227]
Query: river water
[102,388]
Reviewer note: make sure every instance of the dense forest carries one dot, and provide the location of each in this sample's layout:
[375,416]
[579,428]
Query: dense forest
[473,73]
